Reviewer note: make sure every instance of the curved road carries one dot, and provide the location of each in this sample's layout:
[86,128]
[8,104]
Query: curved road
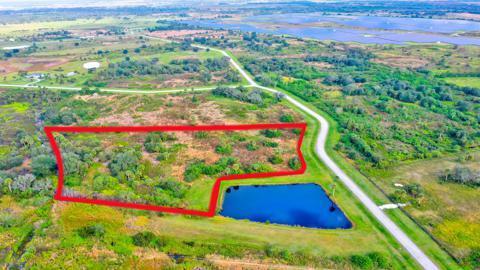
[401,237]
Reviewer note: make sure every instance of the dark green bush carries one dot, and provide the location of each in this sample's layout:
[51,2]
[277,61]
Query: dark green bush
[148,239]
[269,133]
[473,258]
[43,165]
[143,239]
[276,159]
[286,118]
[294,163]
[96,230]
[252,146]
[193,171]
[361,261]
[258,167]
[379,259]
[270,144]
[224,149]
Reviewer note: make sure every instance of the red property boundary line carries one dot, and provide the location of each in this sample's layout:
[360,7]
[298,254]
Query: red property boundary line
[49,130]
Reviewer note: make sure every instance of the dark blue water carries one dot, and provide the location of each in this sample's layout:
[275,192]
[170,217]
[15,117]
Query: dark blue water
[434,32]
[305,205]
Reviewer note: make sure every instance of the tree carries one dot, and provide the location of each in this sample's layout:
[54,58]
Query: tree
[23,183]
[43,165]
[122,162]
[275,159]
[294,163]
[224,149]
[102,182]
[73,164]
[205,77]
[415,190]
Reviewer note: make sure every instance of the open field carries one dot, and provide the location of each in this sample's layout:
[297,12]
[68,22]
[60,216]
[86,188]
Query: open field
[301,245]
[464,81]
[125,62]
[449,211]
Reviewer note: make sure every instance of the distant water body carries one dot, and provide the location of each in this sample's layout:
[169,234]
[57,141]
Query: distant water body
[374,22]
[376,30]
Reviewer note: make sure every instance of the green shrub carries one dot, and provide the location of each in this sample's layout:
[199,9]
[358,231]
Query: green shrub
[148,239]
[224,149]
[102,182]
[269,250]
[193,171]
[270,144]
[154,147]
[7,220]
[276,159]
[201,135]
[143,239]
[163,156]
[96,230]
[43,165]
[294,163]
[379,259]
[473,258]
[124,161]
[258,167]
[286,118]
[154,141]
[252,146]
[10,161]
[361,261]
[269,133]
[415,190]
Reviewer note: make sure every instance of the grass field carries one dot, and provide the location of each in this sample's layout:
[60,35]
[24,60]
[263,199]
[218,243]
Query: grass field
[464,81]
[16,30]
[451,212]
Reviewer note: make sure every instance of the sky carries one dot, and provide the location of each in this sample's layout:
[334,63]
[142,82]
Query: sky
[23,4]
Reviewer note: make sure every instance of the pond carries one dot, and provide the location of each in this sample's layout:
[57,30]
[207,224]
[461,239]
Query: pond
[305,205]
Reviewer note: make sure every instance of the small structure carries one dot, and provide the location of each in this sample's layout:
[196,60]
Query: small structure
[71,73]
[35,76]
[392,206]
[15,47]
[90,66]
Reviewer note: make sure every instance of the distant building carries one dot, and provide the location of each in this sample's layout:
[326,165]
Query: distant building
[35,76]
[90,66]
[15,47]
